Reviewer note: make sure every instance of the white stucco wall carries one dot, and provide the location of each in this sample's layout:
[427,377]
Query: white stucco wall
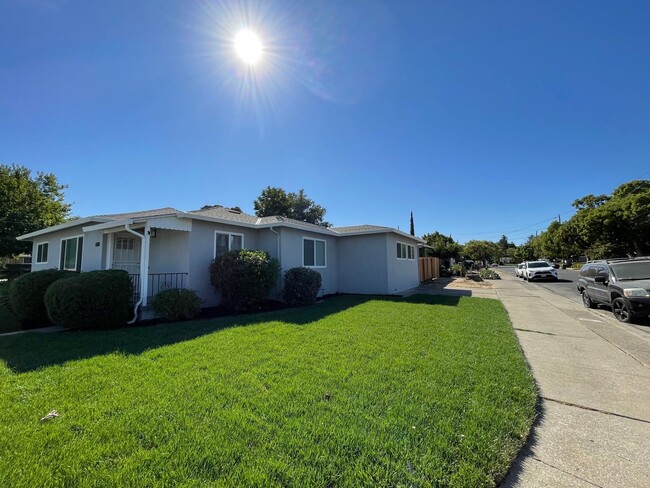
[291,255]
[93,253]
[362,264]
[201,254]
[402,273]
[54,247]
[169,252]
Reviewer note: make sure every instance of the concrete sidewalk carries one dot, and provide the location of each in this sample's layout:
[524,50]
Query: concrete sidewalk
[593,375]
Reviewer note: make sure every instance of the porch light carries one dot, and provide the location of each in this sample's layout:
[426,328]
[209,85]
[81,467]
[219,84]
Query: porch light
[152,233]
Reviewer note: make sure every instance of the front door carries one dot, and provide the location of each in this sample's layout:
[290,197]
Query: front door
[126,254]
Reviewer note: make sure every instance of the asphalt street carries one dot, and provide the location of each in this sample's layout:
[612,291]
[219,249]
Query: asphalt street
[565,286]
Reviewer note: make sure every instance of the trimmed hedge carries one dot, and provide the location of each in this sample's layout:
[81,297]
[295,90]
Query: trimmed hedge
[301,286]
[176,304]
[92,300]
[27,292]
[244,278]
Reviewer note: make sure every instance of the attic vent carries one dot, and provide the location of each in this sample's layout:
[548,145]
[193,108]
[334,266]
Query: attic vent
[235,210]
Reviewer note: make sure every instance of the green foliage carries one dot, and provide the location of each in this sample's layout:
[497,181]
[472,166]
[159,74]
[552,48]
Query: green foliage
[368,392]
[482,251]
[504,245]
[412,226]
[276,201]
[8,321]
[92,300]
[244,278]
[27,292]
[458,269]
[443,247]
[489,274]
[176,304]
[27,204]
[603,226]
[301,286]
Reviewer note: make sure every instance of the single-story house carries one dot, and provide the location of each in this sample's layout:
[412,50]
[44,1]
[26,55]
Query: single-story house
[167,248]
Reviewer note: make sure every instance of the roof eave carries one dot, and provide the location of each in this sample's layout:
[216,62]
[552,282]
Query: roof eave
[56,228]
[387,230]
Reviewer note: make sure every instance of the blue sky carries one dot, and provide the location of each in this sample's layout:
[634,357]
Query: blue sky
[482,118]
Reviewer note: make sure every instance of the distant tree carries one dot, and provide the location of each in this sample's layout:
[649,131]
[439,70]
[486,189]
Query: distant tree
[443,246]
[616,224]
[504,244]
[27,204]
[412,225]
[528,250]
[485,251]
[297,206]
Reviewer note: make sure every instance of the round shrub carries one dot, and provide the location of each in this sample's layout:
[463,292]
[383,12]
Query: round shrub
[301,286]
[176,304]
[27,292]
[244,278]
[93,300]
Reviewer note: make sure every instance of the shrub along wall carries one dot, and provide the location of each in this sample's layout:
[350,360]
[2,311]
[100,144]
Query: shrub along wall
[27,292]
[244,278]
[92,300]
[301,286]
[176,304]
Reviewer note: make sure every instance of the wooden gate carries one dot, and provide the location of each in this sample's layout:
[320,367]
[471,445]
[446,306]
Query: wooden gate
[429,268]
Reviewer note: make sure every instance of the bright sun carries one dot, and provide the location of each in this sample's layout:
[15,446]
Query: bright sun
[248,46]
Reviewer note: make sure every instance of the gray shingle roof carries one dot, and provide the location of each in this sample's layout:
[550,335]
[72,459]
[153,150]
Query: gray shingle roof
[361,228]
[286,220]
[226,214]
[157,212]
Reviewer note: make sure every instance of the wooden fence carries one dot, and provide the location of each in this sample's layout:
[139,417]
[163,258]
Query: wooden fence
[429,268]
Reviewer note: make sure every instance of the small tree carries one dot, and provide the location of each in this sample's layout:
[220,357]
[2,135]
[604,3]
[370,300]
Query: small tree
[244,278]
[27,204]
[297,206]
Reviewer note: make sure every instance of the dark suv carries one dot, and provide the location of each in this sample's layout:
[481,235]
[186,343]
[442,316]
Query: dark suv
[623,284]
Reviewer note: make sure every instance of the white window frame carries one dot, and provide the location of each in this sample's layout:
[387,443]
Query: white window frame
[406,251]
[230,235]
[36,261]
[77,260]
[303,252]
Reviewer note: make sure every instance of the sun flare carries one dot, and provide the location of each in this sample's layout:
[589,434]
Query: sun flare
[248,46]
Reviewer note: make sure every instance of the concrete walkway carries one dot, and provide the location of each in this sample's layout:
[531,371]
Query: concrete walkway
[593,375]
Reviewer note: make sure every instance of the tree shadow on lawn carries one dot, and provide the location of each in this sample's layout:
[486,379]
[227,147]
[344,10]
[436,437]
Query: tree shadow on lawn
[30,351]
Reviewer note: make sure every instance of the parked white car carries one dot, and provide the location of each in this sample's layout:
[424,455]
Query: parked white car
[539,270]
[519,270]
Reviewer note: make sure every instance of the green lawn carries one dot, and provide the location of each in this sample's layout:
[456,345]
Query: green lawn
[426,391]
[8,322]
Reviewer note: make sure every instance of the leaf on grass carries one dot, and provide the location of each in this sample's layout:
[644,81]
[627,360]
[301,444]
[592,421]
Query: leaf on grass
[52,415]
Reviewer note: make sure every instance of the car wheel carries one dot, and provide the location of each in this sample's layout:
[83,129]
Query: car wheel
[586,300]
[621,310]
